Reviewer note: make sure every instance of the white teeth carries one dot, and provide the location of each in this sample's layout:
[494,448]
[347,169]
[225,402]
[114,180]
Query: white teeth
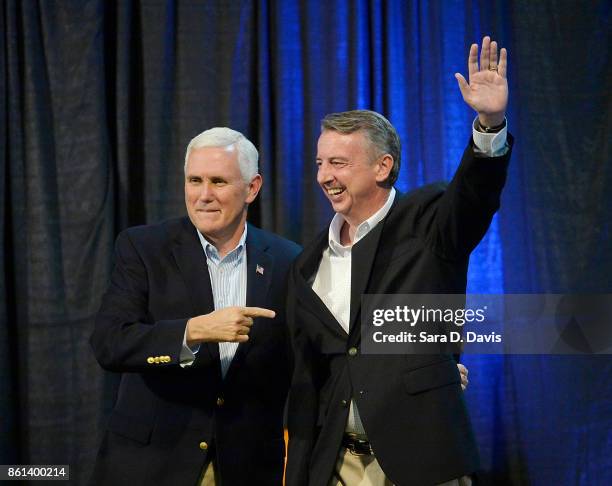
[334,191]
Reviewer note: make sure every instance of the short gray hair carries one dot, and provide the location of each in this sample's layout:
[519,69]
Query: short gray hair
[224,137]
[379,130]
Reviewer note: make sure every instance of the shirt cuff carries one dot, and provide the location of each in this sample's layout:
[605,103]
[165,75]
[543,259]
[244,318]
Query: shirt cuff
[187,356]
[490,144]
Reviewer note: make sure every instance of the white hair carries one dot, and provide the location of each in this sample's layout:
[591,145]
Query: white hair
[225,137]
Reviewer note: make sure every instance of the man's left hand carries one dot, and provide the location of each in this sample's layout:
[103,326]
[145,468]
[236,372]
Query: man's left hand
[463,371]
[487,91]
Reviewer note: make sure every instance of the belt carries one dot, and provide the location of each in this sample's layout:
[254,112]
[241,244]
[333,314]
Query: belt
[356,446]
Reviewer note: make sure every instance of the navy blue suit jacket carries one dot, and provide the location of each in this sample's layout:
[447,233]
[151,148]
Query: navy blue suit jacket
[163,411]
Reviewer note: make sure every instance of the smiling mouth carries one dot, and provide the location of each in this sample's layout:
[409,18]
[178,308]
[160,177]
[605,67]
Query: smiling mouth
[335,191]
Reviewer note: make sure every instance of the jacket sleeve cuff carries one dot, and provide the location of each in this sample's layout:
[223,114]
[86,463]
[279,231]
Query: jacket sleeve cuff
[187,356]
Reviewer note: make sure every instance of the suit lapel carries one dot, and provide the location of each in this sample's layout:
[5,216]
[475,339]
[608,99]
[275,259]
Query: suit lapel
[307,267]
[260,270]
[363,256]
[191,261]
[362,261]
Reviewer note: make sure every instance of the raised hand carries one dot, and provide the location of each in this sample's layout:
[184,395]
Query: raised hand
[487,91]
[231,324]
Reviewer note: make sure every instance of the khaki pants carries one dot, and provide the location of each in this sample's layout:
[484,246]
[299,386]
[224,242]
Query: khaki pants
[209,476]
[352,470]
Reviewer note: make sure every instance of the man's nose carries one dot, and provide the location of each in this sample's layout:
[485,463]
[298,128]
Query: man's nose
[324,175]
[206,192]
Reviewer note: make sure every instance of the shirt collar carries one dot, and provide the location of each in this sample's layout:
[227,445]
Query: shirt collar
[211,251]
[363,229]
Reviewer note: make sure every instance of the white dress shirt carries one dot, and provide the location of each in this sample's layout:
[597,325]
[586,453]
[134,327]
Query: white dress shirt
[333,281]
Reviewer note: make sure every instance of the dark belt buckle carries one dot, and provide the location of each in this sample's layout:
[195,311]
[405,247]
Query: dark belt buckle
[356,446]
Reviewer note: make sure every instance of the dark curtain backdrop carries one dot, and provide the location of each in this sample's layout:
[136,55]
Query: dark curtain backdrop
[100,98]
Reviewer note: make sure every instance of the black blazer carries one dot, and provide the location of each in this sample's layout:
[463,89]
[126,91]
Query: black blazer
[412,406]
[164,412]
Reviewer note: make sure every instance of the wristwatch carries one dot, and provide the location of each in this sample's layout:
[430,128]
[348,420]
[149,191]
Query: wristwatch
[481,128]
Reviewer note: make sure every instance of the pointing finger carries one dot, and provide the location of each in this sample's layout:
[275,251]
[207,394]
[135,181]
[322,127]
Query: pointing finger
[258,312]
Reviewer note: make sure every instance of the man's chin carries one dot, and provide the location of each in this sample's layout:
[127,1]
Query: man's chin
[206,225]
[208,228]
[209,218]
[339,206]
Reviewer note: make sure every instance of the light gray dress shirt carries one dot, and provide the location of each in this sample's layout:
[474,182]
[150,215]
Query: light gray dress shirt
[228,279]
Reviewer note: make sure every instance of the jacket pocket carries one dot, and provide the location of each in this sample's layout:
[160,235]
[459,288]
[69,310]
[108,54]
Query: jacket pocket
[130,427]
[432,376]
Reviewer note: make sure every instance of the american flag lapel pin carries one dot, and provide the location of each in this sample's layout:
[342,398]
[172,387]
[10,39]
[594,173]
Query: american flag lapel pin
[259,269]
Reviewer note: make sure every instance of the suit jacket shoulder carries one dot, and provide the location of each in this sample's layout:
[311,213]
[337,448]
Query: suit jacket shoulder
[279,246]
[157,236]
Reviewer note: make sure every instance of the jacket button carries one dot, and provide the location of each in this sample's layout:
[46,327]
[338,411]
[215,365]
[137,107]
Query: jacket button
[203,446]
[352,351]
[220,402]
[344,403]
[150,360]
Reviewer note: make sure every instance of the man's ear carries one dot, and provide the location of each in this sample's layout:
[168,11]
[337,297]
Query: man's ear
[384,166]
[254,187]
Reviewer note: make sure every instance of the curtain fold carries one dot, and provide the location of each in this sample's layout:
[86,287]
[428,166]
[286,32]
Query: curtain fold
[99,100]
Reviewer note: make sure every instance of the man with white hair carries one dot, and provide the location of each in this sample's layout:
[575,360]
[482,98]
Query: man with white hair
[194,321]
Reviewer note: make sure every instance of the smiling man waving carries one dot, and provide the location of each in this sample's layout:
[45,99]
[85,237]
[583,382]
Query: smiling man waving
[382,420]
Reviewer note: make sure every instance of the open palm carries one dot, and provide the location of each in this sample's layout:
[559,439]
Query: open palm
[487,90]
